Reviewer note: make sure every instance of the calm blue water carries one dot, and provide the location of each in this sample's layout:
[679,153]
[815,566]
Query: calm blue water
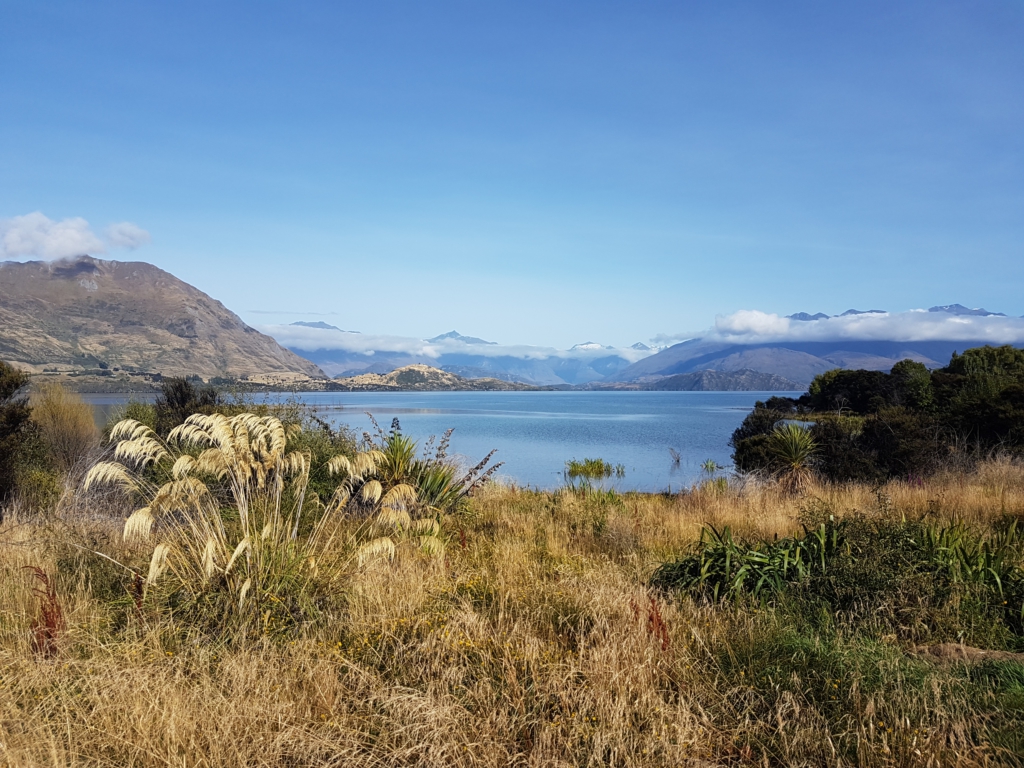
[537,432]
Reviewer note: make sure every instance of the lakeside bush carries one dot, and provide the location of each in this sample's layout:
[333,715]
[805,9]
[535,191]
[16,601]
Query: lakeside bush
[239,538]
[870,426]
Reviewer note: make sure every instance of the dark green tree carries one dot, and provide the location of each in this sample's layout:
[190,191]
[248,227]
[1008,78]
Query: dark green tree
[179,398]
[840,455]
[901,442]
[911,385]
[980,397]
[846,392]
[14,421]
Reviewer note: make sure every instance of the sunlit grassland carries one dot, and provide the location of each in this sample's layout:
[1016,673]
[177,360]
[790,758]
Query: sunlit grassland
[534,640]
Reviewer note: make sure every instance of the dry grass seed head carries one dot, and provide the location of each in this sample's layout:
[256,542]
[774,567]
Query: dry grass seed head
[110,473]
[371,491]
[158,563]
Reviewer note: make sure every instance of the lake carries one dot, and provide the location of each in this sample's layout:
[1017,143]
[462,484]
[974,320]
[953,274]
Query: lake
[537,432]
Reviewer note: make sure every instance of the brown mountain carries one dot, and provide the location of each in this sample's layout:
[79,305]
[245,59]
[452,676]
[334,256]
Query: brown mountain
[86,314]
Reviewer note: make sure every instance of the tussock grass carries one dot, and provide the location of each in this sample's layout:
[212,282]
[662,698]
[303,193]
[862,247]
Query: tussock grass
[535,640]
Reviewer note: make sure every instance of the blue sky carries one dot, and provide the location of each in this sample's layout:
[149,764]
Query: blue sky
[544,173]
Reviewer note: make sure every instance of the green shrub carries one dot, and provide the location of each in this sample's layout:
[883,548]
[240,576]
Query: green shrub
[39,489]
[440,487]
[14,420]
[179,398]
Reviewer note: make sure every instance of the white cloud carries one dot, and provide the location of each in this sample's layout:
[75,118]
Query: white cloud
[305,338]
[36,236]
[753,327]
[668,339]
[127,235]
[751,322]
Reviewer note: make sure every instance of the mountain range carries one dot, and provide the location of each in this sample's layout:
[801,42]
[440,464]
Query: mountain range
[793,349]
[347,353]
[88,316]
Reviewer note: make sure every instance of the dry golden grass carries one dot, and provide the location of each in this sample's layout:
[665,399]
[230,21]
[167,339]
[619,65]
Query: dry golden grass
[536,643]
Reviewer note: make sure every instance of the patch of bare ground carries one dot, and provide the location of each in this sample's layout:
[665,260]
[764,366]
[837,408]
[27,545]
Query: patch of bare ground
[948,653]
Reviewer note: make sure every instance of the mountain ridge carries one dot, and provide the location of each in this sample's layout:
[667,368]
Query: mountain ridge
[87,314]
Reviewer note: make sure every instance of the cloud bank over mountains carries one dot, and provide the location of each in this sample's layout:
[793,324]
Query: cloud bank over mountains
[755,327]
[304,337]
[796,348]
[36,236]
[951,323]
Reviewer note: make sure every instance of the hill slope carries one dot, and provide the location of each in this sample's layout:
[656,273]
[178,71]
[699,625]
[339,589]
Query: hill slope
[88,313]
[422,378]
[743,380]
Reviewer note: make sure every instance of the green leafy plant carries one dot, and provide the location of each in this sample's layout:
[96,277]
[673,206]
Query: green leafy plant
[855,562]
[792,448]
[710,467]
[721,565]
[440,487]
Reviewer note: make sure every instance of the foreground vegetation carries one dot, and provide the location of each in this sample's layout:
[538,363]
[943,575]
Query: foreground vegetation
[222,585]
[534,639]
